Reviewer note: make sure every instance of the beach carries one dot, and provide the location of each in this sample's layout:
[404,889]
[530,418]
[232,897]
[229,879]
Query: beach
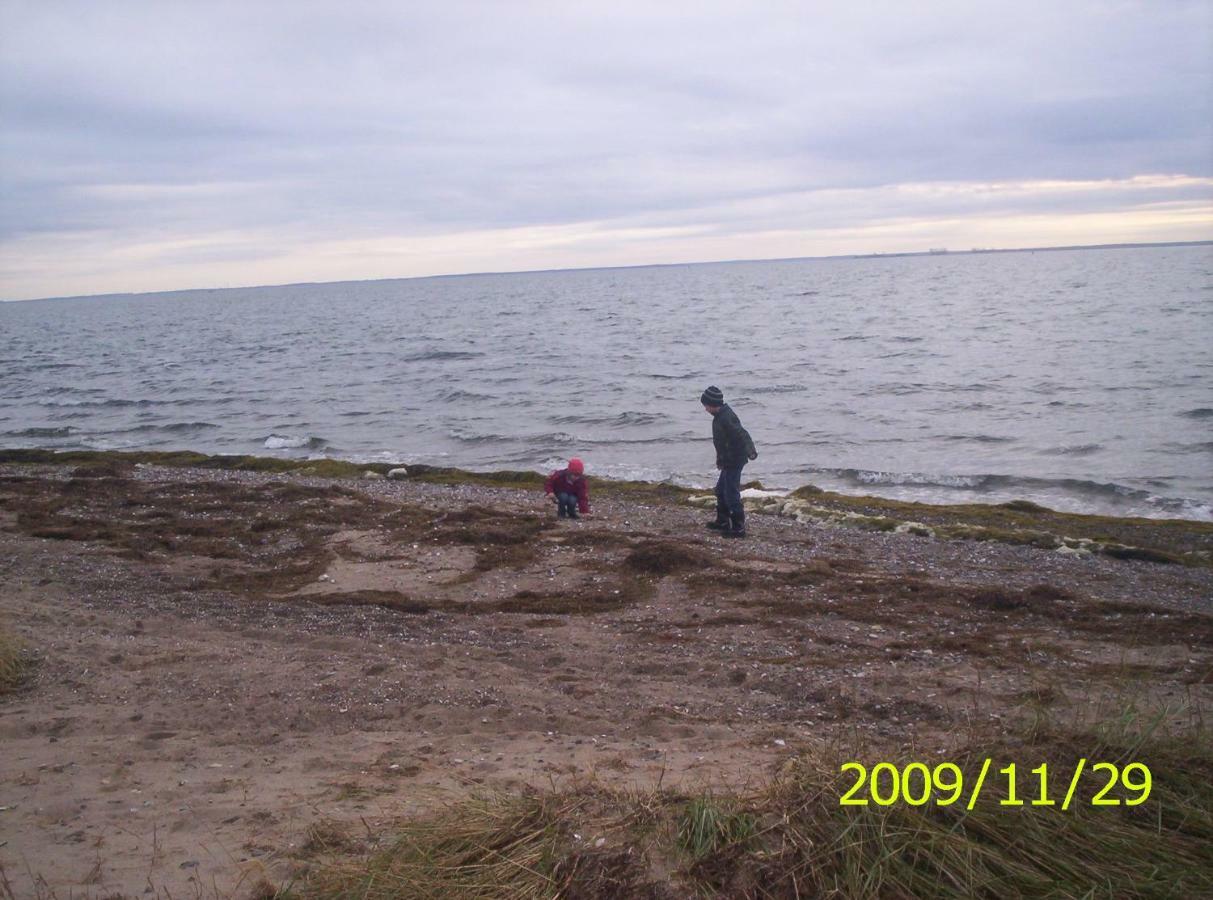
[237,676]
[304,307]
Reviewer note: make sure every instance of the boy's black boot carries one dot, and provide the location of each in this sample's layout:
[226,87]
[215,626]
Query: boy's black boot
[722,522]
[738,527]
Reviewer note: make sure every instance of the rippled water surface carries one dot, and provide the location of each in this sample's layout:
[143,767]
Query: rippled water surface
[1078,379]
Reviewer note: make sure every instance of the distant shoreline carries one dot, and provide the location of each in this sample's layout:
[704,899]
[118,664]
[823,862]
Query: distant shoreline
[671,265]
[979,250]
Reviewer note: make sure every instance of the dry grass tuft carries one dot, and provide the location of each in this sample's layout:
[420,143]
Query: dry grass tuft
[327,837]
[793,839]
[15,665]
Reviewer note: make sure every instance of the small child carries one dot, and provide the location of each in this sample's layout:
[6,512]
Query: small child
[571,490]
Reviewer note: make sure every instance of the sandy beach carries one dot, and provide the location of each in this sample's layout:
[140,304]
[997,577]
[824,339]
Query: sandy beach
[228,665]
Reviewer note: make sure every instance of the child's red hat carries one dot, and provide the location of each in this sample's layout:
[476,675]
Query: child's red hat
[576,466]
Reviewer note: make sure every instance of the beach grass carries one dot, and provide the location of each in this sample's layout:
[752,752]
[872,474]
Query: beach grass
[15,664]
[792,838]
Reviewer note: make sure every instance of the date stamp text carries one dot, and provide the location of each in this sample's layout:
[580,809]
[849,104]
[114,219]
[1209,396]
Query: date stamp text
[917,784]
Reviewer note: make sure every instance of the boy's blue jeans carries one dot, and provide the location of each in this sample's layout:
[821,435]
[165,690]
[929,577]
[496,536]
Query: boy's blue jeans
[728,494]
[566,505]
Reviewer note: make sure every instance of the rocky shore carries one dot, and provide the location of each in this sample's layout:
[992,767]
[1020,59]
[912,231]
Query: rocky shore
[229,660]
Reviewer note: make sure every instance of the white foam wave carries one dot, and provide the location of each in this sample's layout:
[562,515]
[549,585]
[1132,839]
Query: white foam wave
[907,478]
[288,442]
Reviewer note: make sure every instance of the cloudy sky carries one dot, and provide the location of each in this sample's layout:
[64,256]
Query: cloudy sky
[159,145]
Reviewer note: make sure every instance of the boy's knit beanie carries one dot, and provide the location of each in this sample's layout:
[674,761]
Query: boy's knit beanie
[713,396]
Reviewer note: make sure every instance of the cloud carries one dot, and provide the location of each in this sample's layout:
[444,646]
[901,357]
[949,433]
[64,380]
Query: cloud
[892,218]
[133,124]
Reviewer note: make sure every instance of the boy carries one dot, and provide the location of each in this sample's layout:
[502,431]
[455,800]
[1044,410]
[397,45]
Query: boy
[571,490]
[734,449]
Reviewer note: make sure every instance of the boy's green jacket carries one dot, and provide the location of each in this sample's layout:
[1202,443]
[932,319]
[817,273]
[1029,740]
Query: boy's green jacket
[734,446]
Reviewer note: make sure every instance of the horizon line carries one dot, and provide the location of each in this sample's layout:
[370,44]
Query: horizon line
[934,252]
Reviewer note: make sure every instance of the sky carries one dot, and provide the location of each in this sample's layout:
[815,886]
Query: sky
[178,144]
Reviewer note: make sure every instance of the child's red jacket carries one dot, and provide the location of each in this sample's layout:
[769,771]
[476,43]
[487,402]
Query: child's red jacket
[558,483]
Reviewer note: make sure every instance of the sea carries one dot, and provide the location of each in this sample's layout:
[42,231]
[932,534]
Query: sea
[1081,380]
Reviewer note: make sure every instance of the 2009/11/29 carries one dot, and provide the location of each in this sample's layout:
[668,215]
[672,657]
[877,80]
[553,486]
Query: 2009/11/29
[916,784]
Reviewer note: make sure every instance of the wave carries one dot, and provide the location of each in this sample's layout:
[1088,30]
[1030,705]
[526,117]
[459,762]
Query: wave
[777,389]
[476,437]
[556,437]
[1182,508]
[988,483]
[52,390]
[686,376]
[143,404]
[1101,496]
[286,442]
[818,439]
[1202,412]
[32,367]
[621,420]
[1196,447]
[1072,450]
[632,442]
[978,438]
[112,403]
[907,354]
[869,477]
[441,356]
[893,390]
[171,428]
[43,432]
[458,396]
